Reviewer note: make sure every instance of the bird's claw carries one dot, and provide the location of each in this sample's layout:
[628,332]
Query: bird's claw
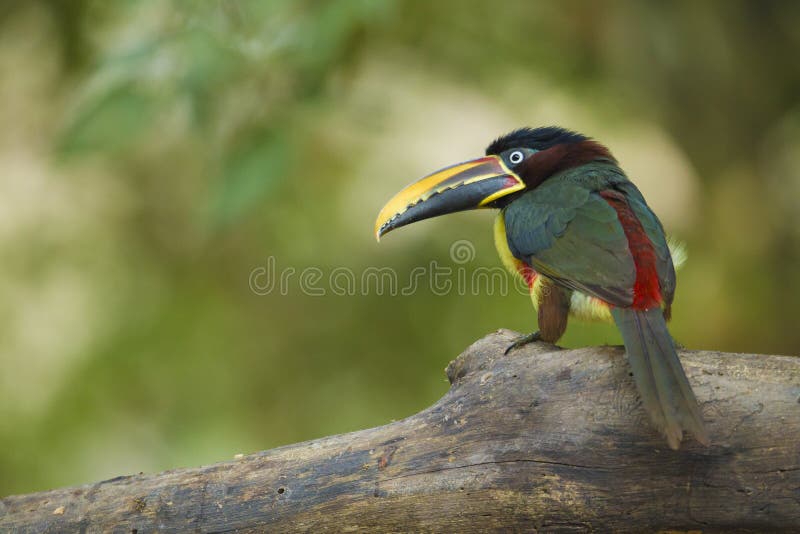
[523,340]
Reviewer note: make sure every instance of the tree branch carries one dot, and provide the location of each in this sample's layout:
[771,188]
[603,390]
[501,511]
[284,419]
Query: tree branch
[541,439]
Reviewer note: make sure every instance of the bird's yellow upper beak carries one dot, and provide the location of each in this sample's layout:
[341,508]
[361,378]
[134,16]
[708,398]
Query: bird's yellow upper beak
[469,185]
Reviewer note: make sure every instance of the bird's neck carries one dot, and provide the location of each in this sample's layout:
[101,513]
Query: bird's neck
[560,158]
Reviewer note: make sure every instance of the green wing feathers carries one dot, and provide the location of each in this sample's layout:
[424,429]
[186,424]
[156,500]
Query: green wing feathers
[570,234]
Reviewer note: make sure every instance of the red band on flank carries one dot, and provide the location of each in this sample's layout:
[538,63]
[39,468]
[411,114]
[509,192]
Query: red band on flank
[527,273]
[647,289]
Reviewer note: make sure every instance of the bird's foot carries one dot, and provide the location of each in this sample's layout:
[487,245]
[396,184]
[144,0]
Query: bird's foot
[524,340]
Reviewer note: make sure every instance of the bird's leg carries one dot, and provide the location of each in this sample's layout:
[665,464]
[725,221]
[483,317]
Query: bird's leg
[553,306]
[524,340]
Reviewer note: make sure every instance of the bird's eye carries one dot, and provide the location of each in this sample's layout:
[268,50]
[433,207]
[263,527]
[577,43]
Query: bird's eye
[516,157]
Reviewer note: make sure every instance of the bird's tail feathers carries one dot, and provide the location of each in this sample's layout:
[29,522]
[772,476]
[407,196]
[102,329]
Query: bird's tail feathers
[659,376]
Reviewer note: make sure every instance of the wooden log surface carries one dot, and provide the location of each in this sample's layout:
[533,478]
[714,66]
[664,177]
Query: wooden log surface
[540,440]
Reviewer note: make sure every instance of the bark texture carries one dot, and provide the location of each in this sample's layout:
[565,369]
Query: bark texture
[542,439]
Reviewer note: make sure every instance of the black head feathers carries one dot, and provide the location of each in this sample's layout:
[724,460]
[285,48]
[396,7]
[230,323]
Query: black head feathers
[536,138]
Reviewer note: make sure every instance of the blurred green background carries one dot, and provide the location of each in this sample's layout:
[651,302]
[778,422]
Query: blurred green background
[155,154]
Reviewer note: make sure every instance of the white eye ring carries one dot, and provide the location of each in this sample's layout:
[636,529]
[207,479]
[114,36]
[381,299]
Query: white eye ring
[516,157]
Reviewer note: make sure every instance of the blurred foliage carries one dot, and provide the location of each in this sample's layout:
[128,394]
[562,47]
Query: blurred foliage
[156,153]
[235,75]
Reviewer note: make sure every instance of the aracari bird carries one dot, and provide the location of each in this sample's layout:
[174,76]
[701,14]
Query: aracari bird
[586,243]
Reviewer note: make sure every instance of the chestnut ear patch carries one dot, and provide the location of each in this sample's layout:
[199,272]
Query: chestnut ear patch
[544,164]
